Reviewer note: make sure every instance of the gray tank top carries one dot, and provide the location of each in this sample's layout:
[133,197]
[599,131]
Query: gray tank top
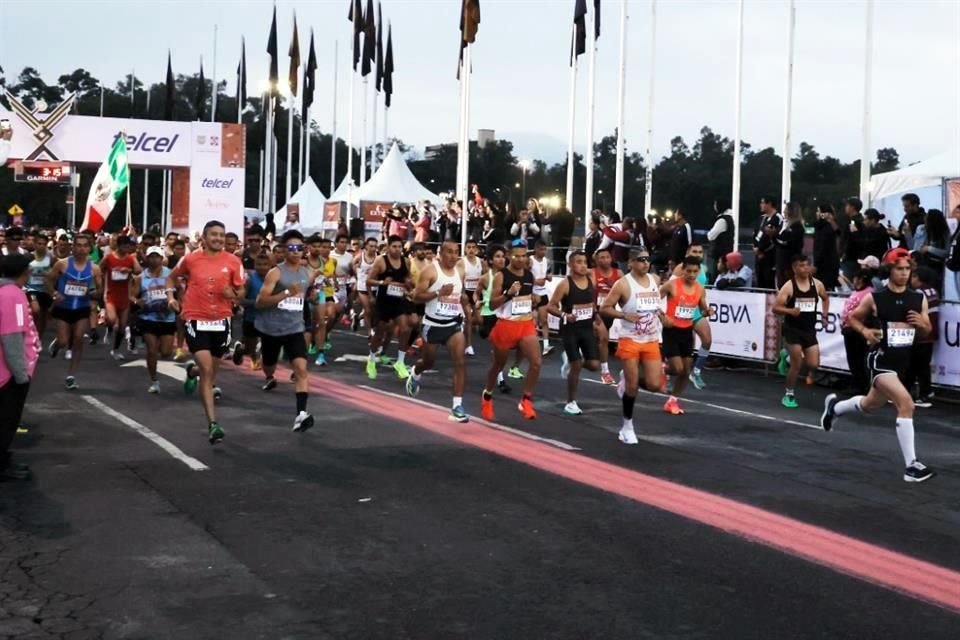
[287,317]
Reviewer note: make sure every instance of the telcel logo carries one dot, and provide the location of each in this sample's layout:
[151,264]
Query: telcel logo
[148,143]
[216,183]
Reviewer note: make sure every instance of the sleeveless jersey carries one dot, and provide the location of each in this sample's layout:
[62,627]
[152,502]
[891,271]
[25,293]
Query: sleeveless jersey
[254,284]
[363,272]
[898,334]
[807,301]
[344,267]
[154,292]
[287,317]
[116,279]
[539,269]
[445,311]
[683,306]
[702,279]
[395,292]
[579,302]
[644,301]
[74,285]
[605,283]
[520,307]
[39,267]
[485,310]
[472,273]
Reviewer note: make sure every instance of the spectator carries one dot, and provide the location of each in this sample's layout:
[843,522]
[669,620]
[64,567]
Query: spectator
[875,239]
[680,240]
[721,234]
[953,258]
[732,273]
[292,223]
[789,242]
[594,237]
[13,240]
[826,255]
[398,223]
[913,217]
[617,237]
[764,247]
[421,224]
[852,236]
[853,341]
[561,224]
[924,279]
[19,352]
[525,229]
[932,245]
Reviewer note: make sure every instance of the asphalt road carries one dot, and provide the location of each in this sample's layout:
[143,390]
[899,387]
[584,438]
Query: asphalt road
[740,519]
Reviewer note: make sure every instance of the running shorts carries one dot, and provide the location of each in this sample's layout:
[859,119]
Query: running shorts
[153,328]
[42,298]
[628,349]
[250,331]
[507,334]
[71,316]
[439,335]
[293,345]
[389,311]
[879,363]
[120,302]
[203,335]
[805,339]
[487,324]
[678,342]
[579,338]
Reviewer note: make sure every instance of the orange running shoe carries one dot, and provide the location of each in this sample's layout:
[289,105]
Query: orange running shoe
[672,406]
[486,407]
[607,378]
[526,408]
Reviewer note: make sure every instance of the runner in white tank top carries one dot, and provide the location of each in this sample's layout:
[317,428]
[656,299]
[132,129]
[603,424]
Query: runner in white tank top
[362,265]
[471,268]
[540,267]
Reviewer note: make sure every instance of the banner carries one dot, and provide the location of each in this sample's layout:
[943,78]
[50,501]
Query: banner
[833,355]
[373,215]
[739,323]
[216,177]
[946,353]
[331,217]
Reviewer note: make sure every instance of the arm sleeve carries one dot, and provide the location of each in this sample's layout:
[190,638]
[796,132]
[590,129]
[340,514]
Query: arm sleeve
[719,227]
[15,357]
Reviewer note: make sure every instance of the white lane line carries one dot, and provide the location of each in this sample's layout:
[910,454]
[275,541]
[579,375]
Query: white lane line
[158,440]
[499,427]
[741,412]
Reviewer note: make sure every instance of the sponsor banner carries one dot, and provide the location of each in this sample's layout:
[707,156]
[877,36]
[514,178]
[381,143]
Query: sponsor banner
[331,216]
[739,323]
[216,177]
[833,355]
[946,353]
[373,215]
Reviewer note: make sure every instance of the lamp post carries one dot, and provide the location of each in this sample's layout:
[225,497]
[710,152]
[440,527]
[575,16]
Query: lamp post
[525,166]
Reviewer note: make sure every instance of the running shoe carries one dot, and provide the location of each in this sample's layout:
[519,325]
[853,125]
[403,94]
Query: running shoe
[384,359]
[22,430]
[504,387]
[217,394]
[486,406]
[214,433]
[672,406]
[269,384]
[789,401]
[627,435]
[526,408]
[572,409]
[783,365]
[564,365]
[237,356]
[547,350]
[469,351]
[190,382]
[327,345]
[68,354]
[255,364]
[93,336]
[71,383]
[154,387]
[607,378]
[457,414]
[697,380]
[515,373]
[355,323]
[371,369]
[918,472]
[402,372]
[53,348]
[303,421]
[621,386]
[321,360]
[179,355]
[116,355]
[923,402]
[828,415]
[413,386]
[312,350]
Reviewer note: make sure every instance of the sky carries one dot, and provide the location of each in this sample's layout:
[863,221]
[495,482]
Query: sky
[521,78]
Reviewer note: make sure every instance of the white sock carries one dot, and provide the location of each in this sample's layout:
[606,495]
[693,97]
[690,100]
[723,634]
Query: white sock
[789,392]
[546,343]
[457,401]
[627,424]
[905,436]
[416,376]
[604,367]
[401,356]
[500,377]
[849,405]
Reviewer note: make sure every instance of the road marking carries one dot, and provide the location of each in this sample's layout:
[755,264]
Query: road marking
[169,369]
[713,405]
[478,420]
[150,435]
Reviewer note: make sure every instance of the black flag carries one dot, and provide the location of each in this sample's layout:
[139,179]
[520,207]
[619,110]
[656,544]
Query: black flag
[369,41]
[308,80]
[379,83]
[356,17]
[596,19]
[242,77]
[388,68]
[294,52]
[201,102]
[171,91]
[469,25]
[579,30]
[272,50]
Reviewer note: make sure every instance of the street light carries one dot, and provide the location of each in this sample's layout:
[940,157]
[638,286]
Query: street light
[524,165]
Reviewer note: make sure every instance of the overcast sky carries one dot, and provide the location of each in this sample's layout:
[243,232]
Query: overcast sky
[521,77]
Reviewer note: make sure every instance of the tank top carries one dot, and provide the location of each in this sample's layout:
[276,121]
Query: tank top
[117,280]
[683,306]
[445,311]
[898,334]
[154,292]
[75,285]
[287,317]
[539,268]
[605,283]
[394,292]
[485,310]
[520,307]
[807,302]
[254,284]
[579,302]
[363,272]
[344,266]
[39,267]
[327,278]
[644,301]
[472,273]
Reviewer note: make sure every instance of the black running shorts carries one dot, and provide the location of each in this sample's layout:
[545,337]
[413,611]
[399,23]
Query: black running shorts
[678,342]
[293,346]
[202,335]
[579,341]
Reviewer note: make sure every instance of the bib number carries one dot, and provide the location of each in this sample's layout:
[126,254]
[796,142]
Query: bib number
[291,303]
[471,283]
[647,302]
[900,334]
[75,289]
[583,312]
[521,306]
[156,295]
[807,305]
[395,290]
[211,325]
[449,307]
[685,313]
[118,275]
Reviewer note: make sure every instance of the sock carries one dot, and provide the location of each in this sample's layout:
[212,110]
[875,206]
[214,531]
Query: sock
[789,392]
[117,339]
[628,401]
[702,355]
[457,401]
[372,357]
[302,401]
[500,377]
[401,356]
[487,395]
[847,406]
[905,436]
[604,367]
[416,374]
[546,343]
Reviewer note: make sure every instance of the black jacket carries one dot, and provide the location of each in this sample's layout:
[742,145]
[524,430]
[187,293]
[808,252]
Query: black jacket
[789,244]
[826,257]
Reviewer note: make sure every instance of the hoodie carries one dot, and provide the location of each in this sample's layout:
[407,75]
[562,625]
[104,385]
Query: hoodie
[19,342]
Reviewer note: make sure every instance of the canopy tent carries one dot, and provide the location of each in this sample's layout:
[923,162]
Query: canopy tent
[310,200]
[393,182]
[925,178]
[342,192]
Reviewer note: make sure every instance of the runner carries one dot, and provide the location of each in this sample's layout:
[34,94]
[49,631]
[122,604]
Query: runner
[901,314]
[685,295]
[701,323]
[326,307]
[472,268]
[391,275]
[72,284]
[639,320]
[214,280]
[345,285]
[441,288]
[362,265]
[40,300]
[604,275]
[541,269]
[514,302]
[158,323]
[574,301]
[118,267]
[419,260]
[261,266]
[280,322]
[797,303]
[496,260]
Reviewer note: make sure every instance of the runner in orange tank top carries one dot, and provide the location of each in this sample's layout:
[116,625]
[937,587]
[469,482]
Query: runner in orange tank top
[684,297]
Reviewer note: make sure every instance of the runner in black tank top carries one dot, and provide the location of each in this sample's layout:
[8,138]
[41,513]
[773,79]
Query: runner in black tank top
[797,301]
[901,315]
[391,275]
[574,301]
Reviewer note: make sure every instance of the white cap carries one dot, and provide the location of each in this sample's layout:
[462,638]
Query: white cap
[155,251]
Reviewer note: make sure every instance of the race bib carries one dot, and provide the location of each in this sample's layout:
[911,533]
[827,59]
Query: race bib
[807,305]
[521,306]
[75,289]
[211,325]
[648,302]
[156,295]
[583,312]
[449,307]
[118,275]
[291,303]
[471,283]
[900,334]
[685,313]
[395,290]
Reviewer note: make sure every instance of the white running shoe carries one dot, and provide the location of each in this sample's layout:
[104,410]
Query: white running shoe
[628,435]
[303,421]
[116,355]
[564,365]
[469,351]
[68,354]
[572,409]
[154,387]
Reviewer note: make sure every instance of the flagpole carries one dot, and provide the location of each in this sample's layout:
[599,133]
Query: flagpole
[101,99]
[163,204]
[738,101]
[373,139]
[333,135]
[265,158]
[260,190]
[465,190]
[648,170]
[146,179]
[304,136]
[353,73]
[386,136]
[591,97]
[786,178]
[363,155]
[867,90]
[458,185]
[289,147]
[241,77]
[271,177]
[213,109]
[618,181]
[573,112]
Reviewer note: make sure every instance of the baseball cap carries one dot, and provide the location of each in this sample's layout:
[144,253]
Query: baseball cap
[870,262]
[891,257]
[155,251]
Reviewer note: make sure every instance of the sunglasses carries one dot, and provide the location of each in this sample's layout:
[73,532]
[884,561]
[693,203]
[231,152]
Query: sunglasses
[295,247]
[642,259]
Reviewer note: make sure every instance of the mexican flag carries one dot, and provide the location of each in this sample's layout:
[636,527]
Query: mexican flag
[112,178]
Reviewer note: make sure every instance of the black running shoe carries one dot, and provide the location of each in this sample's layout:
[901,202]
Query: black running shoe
[504,387]
[238,353]
[270,384]
[94,336]
[303,421]
[827,417]
[918,472]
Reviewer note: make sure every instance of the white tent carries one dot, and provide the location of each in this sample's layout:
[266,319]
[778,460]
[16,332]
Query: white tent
[342,192]
[393,182]
[311,201]
[929,172]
